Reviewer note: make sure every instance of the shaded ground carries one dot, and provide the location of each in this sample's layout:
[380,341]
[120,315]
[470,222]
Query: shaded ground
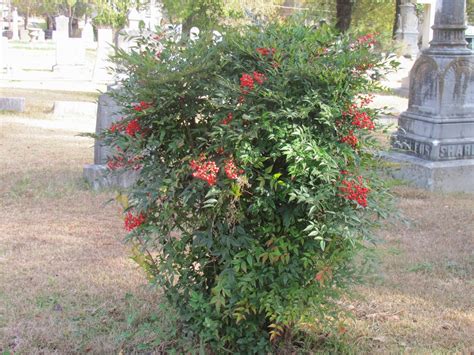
[68,286]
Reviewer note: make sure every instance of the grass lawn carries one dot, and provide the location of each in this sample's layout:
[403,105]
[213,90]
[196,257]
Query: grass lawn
[67,284]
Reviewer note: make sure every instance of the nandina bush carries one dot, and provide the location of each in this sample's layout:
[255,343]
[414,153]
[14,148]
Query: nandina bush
[256,184]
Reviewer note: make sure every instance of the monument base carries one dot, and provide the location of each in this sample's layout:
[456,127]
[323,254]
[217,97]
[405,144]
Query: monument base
[99,177]
[443,176]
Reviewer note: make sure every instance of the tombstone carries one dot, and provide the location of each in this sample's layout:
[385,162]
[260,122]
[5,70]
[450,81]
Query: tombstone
[62,27]
[88,35]
[194,34]
[108,112]
[25,35]
[14,25]
[428,21]
[156,15]
[407,33]
[435,137]
[70,55]
[41,36]
[3,53]
[470,37]
[134,19]
[16,104]
[104,50]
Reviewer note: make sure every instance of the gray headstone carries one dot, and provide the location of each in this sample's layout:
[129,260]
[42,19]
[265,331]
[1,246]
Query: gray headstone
[97,174]
[439,123]
[12,104]
[108,112]
[407,33]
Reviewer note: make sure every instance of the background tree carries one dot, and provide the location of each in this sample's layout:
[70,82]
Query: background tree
[26,8]
[111,13]
[470,11]
[200,13]
[395,20]
[344,14]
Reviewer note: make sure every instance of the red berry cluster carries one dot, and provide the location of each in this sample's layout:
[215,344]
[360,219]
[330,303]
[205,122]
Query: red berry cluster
[117,127]
[266,51]
[133,127]
[259,77]
[231,169]
[360,119]
[355,191]
[350,139]
[368,40]
[141,106]
[132,221]
[228,119]
[205,170]
[247,81]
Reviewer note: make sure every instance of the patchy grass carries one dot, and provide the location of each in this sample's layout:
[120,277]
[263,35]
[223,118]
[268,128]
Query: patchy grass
[67,284]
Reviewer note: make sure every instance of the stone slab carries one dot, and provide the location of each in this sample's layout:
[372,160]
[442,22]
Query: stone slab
[442,176]
[79,109]
[12,104]
[99,177]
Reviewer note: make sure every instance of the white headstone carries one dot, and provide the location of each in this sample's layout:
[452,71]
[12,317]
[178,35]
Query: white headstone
[134,18]
[70,51]
[104,50]
[41,36]
[14,28]
[3,53]
[156,14]
[25,35]
[62,27]
[194,34]
[88,35]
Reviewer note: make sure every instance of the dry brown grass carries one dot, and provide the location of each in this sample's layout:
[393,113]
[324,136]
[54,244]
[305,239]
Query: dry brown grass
[66,282]
[67,285]
[421,300]
[39,103]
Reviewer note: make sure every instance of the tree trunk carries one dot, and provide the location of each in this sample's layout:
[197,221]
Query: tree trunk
[70,13]
[397,15]
[344,14]
[27,15]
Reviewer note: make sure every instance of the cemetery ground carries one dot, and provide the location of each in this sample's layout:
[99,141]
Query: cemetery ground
[67,284]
